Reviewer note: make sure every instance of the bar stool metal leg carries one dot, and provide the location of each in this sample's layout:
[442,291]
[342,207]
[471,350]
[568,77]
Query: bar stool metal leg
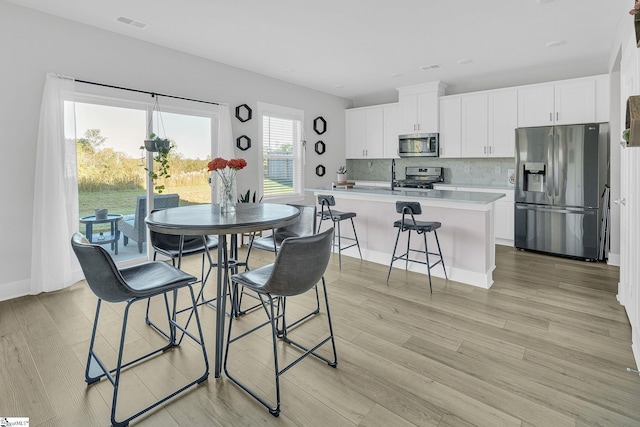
[355,235]
[408,223]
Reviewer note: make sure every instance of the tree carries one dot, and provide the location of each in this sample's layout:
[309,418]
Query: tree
[92,139]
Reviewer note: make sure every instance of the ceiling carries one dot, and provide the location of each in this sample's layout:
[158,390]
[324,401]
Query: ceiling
[364,49]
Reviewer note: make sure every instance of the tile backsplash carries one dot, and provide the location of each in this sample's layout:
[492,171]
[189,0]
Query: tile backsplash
[490,172]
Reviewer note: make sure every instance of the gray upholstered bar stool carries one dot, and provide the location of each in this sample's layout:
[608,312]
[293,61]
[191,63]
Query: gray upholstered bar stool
[326,202]
[409,223]
[300,264]
[305,226]
[129,285]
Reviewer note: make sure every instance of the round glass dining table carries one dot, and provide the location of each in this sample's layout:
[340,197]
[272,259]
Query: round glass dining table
[207,220]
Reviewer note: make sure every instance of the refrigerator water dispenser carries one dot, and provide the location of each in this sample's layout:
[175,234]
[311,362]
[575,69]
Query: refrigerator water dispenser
[534,176]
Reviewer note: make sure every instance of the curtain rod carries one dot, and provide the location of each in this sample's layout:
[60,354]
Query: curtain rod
[153,94]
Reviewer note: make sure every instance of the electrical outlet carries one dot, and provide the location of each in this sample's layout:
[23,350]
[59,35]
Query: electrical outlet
[498,170]
[467,169]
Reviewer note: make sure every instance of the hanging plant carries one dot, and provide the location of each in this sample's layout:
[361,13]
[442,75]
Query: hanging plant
[161,159]
[155,143]
[162,148]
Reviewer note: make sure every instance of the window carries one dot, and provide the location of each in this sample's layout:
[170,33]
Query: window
[111,163]
[282,136]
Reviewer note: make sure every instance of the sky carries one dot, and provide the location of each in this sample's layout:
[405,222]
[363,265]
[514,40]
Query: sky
[125,129]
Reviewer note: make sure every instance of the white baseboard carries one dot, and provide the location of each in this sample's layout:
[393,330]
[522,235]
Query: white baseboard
[456,274]
[15,289]
[504,242]
[635,346]
[614,259]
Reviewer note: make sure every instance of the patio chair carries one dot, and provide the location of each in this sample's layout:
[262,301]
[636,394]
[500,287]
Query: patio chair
[133,226]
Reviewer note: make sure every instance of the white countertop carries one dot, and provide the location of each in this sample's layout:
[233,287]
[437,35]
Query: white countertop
[465,197]
[498,188]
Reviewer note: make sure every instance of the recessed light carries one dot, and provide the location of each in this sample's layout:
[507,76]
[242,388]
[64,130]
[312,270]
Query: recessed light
[430,67]
[129,21]
[464,61]
[339,86]
[543,1]
[555,43]
[396,74]
[288,70]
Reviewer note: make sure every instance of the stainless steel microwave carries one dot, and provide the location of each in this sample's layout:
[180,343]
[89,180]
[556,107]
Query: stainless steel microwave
[419,145]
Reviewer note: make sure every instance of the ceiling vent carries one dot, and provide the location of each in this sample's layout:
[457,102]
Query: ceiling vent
[129,21]
[430,67]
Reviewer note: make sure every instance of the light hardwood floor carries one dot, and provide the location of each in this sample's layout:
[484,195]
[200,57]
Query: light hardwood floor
[547,345]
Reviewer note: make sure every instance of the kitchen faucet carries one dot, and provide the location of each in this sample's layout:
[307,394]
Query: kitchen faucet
[393,174]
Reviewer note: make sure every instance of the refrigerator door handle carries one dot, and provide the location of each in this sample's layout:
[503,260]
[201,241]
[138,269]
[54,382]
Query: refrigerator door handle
[538,208]
[549,172]
[556,164]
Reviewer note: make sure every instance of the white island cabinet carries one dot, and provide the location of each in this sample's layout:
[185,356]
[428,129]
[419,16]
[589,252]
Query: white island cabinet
[466,236]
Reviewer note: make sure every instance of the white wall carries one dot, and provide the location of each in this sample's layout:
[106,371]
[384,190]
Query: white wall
[33,43]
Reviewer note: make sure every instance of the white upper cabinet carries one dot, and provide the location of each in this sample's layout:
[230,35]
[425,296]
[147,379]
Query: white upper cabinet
[450,126]
[391,113]
[502,124]
[583,100]
[488,123]
[365,133]
[475,115]
[419,107]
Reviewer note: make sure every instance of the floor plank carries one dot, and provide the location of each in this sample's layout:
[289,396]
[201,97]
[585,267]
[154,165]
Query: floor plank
[547,345]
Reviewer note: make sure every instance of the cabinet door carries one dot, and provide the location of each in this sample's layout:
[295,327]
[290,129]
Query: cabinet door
[474,125]
[535,106]
[575,102]
[356,133]
[428,113]
[374,133]
[503,121]
[503,220]
[408,113]
[450,127]
[391,131]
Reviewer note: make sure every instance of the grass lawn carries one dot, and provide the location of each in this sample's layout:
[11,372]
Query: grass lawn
[124,201]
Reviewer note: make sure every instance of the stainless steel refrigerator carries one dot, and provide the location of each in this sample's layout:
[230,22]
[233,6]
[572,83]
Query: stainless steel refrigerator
[561,172]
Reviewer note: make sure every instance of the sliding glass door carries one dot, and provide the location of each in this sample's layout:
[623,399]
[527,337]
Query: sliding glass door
[114,170]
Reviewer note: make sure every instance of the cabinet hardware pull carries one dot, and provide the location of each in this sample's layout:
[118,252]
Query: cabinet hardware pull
[550,117]
[622,202]
[485,149]
[557,116]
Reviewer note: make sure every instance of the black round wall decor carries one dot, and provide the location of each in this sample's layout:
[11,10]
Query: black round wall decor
[320,125]
[320,148]
[320,170]
[243,113]
[243,142]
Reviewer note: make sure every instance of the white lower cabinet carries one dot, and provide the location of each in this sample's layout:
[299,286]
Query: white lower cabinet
[503,219]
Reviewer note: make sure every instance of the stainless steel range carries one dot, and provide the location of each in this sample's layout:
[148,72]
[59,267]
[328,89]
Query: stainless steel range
[420,177]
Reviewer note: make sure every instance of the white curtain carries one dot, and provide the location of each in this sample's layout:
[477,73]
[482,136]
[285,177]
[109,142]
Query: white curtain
[55,196]
[225,145]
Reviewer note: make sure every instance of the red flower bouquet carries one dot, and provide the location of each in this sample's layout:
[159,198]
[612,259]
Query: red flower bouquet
[226,170]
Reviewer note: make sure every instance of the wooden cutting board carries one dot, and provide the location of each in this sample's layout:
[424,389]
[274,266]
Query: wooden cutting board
[348,184]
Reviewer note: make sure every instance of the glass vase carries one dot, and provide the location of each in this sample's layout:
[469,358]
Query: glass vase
[228,194]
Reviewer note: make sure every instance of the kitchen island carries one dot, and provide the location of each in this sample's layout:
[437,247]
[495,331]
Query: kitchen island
[466,236]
